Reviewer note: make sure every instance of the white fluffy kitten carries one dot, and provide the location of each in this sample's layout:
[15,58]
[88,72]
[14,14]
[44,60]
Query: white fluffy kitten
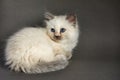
[39,50]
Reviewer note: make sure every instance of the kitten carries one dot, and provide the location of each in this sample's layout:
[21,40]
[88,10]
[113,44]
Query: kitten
[40,50]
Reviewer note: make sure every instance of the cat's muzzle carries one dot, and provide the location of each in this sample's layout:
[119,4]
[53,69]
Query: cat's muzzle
[57,37]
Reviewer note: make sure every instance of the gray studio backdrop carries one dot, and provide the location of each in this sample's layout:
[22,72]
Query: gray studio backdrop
[97,56]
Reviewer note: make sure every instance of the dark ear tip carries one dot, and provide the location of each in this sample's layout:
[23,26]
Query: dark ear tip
[48,15]
[71,17]
[72,14]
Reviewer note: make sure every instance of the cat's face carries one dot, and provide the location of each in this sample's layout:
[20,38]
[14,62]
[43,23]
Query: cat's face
[60,27]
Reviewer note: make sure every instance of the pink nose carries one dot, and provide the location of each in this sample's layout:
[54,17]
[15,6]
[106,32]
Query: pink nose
[57,34]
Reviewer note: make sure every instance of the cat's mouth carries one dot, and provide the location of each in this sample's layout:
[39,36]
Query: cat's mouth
[57,38]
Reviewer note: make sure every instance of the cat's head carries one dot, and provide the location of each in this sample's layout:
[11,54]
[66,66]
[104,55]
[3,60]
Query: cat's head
[61,27]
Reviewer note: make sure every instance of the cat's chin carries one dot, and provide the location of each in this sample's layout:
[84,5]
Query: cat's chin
[56,40]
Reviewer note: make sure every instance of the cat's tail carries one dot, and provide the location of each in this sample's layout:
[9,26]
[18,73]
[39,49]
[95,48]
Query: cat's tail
[60,63]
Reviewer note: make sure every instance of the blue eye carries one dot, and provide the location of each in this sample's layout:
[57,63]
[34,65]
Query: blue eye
[52,30]
[62,30]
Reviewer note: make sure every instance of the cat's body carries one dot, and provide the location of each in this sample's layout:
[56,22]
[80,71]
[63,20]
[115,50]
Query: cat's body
[39,50]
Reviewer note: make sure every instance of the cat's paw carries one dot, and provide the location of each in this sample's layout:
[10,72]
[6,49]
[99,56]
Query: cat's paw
[61,57]
[68,56]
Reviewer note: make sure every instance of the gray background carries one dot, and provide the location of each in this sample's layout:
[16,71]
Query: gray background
[97,56]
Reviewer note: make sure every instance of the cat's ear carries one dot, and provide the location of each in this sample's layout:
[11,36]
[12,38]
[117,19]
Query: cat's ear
[72,18]
[48,16]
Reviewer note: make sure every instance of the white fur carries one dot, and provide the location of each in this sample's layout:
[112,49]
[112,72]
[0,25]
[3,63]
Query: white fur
[33,51]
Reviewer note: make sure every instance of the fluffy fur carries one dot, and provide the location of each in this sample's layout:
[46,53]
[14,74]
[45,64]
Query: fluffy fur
[39,50]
